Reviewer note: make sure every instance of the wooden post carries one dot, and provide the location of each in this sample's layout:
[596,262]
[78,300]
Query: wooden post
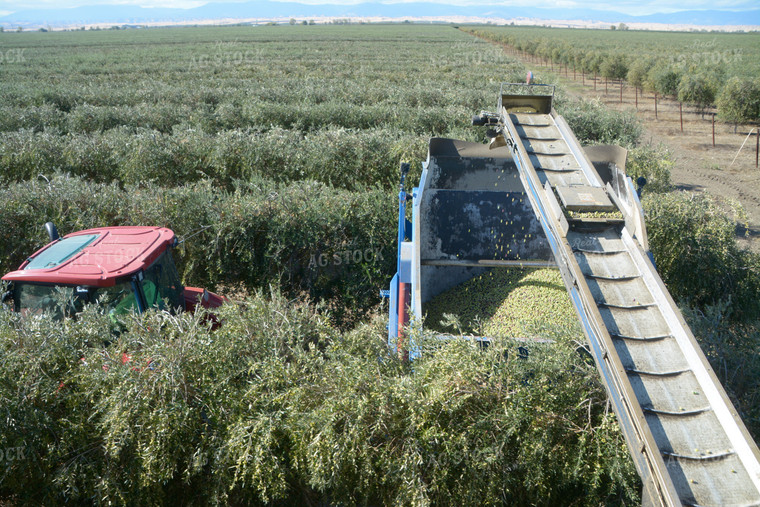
[583,78]
[606,89]
[680,112]
[637,97]
[594,80]
[713,129]
[573,72]
[621,91]
[655,105]
[757,146]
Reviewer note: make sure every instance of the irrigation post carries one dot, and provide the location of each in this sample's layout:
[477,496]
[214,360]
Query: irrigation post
[621,91]
[655,105]
[594,80]
[637,96]
[713,128]
[680,112]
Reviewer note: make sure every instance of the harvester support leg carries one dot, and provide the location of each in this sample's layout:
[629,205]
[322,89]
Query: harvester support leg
[404,293]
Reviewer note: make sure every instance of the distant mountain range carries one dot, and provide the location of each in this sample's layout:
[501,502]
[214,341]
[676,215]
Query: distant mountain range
[124,14]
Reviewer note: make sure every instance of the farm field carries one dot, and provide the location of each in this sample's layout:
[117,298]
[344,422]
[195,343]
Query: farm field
[284,142]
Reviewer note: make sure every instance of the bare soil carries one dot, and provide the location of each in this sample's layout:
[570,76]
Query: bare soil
[699,165]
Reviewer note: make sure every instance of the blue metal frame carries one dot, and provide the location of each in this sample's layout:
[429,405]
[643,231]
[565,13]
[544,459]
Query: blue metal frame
[404,231]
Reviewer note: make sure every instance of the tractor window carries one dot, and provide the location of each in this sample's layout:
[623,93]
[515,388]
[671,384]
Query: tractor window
[60,300]
[161,284]
[36,299]
[116,300]
[61,251]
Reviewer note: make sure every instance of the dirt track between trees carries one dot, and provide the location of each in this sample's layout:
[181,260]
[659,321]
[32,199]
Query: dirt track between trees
[699,166]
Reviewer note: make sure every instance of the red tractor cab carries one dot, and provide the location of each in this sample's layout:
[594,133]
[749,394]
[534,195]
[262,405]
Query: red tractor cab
[119,268]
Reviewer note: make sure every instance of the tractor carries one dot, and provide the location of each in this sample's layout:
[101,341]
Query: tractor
[121,269]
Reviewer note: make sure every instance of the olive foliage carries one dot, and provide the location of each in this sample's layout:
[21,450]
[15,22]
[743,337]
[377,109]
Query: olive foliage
[277,406]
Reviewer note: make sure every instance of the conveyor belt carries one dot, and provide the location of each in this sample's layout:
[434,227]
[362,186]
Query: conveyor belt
[688,443]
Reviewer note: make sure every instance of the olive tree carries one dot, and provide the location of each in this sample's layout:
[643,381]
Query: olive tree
[663,79]
[614,67]
[739,101]
[637,72]
[697,89]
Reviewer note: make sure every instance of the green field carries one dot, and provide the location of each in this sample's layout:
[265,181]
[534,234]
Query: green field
[301,98]
[285,141]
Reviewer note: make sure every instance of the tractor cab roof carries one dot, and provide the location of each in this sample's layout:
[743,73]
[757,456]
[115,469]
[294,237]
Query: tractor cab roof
[95,257]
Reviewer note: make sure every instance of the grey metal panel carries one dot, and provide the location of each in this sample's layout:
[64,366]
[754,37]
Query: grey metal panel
[669,393]
[546,146]
[698,480]
[405,269]
[480,225]
[490,263]
[556,162]
[613,266]
[456,173]
[626,324]
[445,147]
[620,293]
[541,132]
[604,242]
[608,160]
[577,150]
[656,358]
[570,177]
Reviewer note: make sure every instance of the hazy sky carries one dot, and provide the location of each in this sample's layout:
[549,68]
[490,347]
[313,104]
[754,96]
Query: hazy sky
[633,7]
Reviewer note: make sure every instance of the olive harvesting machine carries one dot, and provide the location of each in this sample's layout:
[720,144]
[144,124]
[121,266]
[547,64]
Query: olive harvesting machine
[535,197]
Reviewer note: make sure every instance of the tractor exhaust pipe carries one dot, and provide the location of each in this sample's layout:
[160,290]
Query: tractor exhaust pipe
[52,231]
